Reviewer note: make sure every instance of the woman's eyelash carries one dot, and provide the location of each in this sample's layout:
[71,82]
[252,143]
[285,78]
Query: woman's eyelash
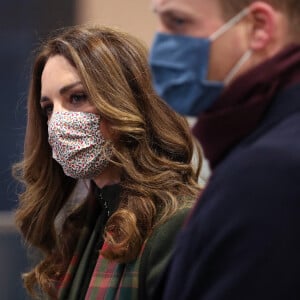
[47,109]
[78,97]
[75,98]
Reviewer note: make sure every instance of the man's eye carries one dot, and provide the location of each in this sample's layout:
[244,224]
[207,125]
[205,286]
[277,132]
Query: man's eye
[175,23]
[76,98]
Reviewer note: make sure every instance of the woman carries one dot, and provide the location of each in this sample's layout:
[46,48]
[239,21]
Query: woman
[93,115]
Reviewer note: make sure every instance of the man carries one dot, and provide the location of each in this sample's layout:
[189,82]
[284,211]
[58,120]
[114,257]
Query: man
[236,63]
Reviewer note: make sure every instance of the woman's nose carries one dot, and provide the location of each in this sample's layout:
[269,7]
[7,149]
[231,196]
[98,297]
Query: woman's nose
[58,107]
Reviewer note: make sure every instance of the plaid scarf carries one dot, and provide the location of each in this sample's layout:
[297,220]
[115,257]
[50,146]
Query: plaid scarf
[110,280]
[71,283]
[113,281]
[75,281]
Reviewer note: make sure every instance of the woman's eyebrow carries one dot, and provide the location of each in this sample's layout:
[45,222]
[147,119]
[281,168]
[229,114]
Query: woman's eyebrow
[44,99]
[68,87]
[62,91]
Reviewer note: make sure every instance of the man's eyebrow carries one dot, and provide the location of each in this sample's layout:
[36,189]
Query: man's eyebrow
[171,10]
[159,11]
[62,91]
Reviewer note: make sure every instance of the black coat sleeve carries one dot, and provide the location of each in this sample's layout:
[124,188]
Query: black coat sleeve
[243,239]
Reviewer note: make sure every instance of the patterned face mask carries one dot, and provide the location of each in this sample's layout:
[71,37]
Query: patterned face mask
[78,145]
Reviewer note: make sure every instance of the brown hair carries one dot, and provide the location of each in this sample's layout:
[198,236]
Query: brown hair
[289,7]
[154,150]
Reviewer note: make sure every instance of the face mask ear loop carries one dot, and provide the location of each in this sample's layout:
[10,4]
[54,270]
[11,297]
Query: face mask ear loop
[237,67]
[230,23]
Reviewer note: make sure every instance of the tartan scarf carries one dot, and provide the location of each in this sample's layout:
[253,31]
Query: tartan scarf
[114,281]
[73,283]
[243,104]
[110,280]
[70,285]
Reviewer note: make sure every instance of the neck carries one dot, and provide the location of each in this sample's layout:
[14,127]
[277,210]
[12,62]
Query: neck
[111,175]
[244,104]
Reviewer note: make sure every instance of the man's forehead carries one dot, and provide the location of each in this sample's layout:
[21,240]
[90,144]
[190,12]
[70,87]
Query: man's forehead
[173,3]
[195,6]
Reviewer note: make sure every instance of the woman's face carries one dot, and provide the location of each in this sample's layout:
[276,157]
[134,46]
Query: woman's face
[62,90]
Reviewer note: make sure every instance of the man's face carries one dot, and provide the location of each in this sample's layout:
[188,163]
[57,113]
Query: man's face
[198,18]
[201,18]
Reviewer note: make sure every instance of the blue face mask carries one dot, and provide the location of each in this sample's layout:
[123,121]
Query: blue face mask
[179,66]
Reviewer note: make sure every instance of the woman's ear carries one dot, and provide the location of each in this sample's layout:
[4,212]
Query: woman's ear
[263,20]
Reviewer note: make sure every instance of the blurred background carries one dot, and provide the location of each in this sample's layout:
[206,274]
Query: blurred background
[23,24]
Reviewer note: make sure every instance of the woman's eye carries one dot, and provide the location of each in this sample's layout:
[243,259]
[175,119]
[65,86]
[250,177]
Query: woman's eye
[76,98]
[47,110]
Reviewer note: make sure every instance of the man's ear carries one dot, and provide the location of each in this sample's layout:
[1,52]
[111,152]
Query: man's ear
[263,25]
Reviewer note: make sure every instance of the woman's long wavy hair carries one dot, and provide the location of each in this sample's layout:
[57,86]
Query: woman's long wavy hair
[154,149]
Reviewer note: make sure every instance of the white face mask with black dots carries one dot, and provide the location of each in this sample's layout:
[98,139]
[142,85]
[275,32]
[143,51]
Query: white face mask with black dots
[78,144]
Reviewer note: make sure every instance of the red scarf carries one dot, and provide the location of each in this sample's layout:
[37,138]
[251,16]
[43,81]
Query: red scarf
[243,104]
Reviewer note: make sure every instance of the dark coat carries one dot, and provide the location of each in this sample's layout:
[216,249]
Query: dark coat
[243,239]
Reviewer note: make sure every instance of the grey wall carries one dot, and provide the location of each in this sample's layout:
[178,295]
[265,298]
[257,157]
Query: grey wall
[23,23]
[13,261]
